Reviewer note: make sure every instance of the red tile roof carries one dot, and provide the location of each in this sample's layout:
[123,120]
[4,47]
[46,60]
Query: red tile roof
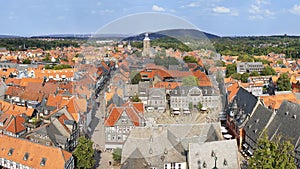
[134,111]
[16,125]
[55,157]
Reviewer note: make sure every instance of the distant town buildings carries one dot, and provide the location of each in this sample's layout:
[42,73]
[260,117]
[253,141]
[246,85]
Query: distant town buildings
[248,67]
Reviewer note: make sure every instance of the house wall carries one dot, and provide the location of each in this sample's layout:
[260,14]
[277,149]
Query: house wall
[182,165]
[12,165]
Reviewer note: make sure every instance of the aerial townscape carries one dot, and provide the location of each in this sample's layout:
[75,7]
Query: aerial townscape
[167,98]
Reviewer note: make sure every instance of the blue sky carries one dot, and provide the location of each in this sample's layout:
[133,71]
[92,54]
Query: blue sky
[221,17]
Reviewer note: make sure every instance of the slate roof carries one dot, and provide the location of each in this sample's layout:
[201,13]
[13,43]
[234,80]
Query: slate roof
[287,122]
[226,150]
[57,132]
[246,100]
[134,162]
[169,141]
[258,122]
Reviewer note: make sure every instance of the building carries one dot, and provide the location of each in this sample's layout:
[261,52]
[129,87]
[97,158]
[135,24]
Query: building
[184,96]
[241,108]
[60,132]
[120,121]
[146,46]
[255,126]
[23,154]
[286,122]
[248,67]
[220,154]
[165,146]
[157,98]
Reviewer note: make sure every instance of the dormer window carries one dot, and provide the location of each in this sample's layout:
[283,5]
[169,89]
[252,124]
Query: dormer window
[43,162]
[225,162]
[213,153]
[11,151]
[25,158]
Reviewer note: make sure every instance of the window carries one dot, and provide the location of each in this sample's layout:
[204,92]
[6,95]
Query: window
[173,166]
[43,162]
[11,151]
[25,158]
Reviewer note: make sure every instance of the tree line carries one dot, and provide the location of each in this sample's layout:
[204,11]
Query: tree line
[25,43]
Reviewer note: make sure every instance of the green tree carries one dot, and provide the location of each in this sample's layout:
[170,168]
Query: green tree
[230,69]
[84,153]
[26,61]
[278,154]
[190,81]
[199,106]
[254,73]
[245,58]
[268,70]
[136,98]
[117,155]
[279,62]
[190,59]
[283,82]
[135,77]
[236,76]
[244,77]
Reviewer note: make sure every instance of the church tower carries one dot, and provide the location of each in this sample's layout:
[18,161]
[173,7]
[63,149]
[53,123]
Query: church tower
[146,47]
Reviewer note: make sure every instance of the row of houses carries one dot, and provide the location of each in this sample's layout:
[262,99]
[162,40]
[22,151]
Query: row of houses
[250,116]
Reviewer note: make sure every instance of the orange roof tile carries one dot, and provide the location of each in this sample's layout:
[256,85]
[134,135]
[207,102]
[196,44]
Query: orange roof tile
[25,81]
[55,157]
[232,90]
[16,125]
[15,109]
[167,85]
[274,101]
[133,111]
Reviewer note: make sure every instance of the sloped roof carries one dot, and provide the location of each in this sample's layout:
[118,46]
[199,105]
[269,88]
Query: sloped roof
[133,110]
[246,100]
[170,141]
[26,81]
[16,125]
[258,122]
[232,91]
[15,109]
[55,157]
[226,150]
[286,122]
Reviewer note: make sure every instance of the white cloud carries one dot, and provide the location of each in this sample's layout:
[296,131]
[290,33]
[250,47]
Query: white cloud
[295,10]
[258,11]
[221,9]
[255,17]
[193,4]
[254,9]
[157,8]
[259,2]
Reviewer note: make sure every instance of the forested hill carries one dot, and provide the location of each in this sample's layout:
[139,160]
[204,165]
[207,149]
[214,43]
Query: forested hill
[258,45]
